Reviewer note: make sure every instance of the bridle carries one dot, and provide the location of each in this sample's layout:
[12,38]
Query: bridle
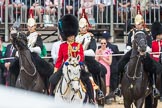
[137,43]
[69,80]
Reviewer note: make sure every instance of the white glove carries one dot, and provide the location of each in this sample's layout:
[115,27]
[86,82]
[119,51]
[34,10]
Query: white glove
[35,49]
[89,52]
[148,49]
[128,48]
[17,54]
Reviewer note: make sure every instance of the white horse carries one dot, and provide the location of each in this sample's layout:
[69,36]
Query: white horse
[70,87]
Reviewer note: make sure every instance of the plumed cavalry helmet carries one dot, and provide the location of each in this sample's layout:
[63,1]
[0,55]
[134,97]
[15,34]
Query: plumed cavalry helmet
[68,26]
[83,22]
[156,29]
[31,22]
[138,19]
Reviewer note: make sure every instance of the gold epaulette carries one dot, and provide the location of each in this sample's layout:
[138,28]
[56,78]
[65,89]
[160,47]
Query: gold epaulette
[147,29]
[131,29]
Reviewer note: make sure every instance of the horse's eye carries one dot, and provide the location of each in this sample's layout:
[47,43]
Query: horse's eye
[69,70]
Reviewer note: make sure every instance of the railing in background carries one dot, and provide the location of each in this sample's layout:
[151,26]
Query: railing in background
[110,17]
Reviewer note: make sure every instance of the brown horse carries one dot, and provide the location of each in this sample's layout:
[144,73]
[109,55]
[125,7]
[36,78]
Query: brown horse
[28,78]
[136,84]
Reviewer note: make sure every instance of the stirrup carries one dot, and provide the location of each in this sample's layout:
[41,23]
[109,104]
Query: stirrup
[91,101]
[100,95]
[118,91]
[156,93]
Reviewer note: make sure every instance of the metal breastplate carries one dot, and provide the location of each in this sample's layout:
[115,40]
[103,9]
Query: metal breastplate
[32,38]
[84,40]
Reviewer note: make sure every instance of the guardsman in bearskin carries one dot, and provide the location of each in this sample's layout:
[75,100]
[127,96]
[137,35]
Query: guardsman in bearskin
[156,31]
[147,61]
[88,41]
[68,28]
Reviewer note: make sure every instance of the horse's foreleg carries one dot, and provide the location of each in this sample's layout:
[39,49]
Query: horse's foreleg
[127,103]
[148,101]
[154,105]
[139,103]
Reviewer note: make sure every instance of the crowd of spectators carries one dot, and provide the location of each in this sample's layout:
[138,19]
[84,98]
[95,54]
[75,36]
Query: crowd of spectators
[46,11]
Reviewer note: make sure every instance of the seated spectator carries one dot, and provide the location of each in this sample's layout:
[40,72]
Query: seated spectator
[139,6]
[16,8]
[37,8]
[103,9]
[155,6]
[70,7]
[88,6]
[49,12]
[123,9]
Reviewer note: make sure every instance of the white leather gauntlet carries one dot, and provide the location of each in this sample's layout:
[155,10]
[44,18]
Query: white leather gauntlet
[89,52]
[35,49]
[148,49]
[127,49]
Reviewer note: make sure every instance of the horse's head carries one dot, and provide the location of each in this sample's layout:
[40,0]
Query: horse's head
[71,71]
[19,40]
[140,42]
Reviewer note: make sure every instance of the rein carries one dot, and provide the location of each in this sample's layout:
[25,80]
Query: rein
[31,63]
[134,75]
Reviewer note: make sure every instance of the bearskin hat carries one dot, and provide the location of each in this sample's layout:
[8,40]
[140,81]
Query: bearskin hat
[156,29]
[68,26]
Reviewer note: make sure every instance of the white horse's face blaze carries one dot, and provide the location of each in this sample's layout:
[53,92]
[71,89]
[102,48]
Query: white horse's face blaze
[72,73]
[74,76]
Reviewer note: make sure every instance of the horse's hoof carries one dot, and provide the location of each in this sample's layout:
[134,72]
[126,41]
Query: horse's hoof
[108,101]
[161,99]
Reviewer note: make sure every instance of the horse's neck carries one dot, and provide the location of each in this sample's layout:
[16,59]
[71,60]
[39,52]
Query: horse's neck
[135,63]
[25,59]
[134,52]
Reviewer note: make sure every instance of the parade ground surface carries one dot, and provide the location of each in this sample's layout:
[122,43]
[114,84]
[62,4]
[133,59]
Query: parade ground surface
[116,105]
[16,98]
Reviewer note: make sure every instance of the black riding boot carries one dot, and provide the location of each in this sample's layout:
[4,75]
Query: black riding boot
[151,66]
[121,66]
[54,79]
[156,92]
[85,79]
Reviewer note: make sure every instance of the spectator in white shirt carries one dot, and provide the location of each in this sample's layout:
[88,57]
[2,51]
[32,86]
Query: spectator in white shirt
[55,49]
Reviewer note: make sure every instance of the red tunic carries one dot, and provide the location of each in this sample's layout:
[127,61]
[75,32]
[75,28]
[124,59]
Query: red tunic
[156,47]
[65,52]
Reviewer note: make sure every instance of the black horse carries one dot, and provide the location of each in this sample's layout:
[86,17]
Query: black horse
[136,84]
[98,73]
[28,77]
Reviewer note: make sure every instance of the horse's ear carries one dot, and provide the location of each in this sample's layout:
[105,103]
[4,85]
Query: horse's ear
[69,59]
[78,58]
